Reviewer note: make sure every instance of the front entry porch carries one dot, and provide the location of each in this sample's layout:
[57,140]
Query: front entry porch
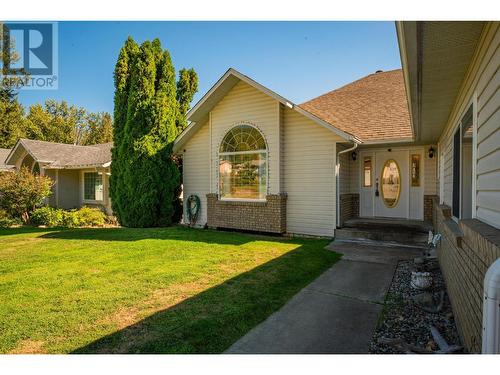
[393,182]
[400,231]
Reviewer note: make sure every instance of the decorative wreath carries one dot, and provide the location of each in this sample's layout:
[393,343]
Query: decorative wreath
[193,206]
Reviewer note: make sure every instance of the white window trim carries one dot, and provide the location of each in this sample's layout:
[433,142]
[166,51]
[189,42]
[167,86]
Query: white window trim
[441,172]
[82,178]
[243,200]
[474,154]
[243,152]
[472,102]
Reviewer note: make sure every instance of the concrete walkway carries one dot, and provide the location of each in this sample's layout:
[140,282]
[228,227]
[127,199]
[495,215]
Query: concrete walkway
[336,313]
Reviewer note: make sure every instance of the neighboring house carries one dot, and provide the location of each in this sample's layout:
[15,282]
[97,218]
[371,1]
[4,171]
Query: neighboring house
[4,152]
[80,173]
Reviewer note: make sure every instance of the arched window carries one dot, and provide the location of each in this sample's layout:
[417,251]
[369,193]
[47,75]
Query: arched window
[243,164]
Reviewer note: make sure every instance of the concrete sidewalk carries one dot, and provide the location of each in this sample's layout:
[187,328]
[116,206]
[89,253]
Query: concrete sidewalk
[336,313]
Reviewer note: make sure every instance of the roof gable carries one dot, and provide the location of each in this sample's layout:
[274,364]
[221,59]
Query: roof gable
[373,108]
[198,115]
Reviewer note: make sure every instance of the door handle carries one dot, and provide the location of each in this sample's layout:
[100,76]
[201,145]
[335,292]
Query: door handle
[376,188]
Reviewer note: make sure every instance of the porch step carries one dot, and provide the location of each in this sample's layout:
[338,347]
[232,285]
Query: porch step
[406,232]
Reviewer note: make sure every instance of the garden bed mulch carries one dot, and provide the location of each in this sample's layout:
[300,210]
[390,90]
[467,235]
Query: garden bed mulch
[402,319]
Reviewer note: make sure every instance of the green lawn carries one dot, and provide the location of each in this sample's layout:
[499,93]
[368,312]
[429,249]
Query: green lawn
[169,290]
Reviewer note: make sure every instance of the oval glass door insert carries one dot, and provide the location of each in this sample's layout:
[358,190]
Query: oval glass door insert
[391,183]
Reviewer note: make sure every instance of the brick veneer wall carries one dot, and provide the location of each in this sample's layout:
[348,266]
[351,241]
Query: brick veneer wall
[428,207]
[269,216]
[466,251]
[349,207]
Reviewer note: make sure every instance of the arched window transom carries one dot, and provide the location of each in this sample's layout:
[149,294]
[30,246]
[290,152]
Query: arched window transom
[243,164]
[243,138]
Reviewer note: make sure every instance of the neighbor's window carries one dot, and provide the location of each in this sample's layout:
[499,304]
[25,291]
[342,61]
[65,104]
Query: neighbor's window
[243,164]
[92,186]
[367,174]
[415,170]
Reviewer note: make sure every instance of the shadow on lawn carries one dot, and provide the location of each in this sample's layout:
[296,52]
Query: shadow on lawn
[212,320]
[25,230]
[174,233]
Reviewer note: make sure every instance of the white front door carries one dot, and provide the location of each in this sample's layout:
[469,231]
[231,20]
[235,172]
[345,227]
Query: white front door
[392,183]
[391,195]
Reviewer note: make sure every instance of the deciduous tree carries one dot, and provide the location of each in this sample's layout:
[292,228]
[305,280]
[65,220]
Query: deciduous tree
[22,192]
[99,128]
[12,123]
[187,86]
[56,122]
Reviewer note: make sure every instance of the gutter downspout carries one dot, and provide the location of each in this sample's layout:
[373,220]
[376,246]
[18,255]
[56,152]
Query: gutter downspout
[337,176]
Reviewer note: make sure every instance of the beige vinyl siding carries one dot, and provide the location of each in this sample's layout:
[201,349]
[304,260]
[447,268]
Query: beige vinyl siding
[52,201]
[488,138]
[345,170]
[309,171]
[245,104]
[281,117]
[448,171]
[354,174]
[196,169]
[107,198]
[69,188]
[430,172]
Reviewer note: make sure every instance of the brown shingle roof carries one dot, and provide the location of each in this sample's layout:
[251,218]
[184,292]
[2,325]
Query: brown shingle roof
[61,155]
[373,108]
[4,152]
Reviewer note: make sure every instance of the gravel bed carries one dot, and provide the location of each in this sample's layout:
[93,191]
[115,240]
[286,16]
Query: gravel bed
[403,319]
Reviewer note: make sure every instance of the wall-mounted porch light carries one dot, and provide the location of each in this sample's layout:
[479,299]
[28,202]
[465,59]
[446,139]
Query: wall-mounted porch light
[431,152]
[354,155]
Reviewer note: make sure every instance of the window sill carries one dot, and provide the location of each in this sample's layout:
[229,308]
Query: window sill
[243,200]
[453,231]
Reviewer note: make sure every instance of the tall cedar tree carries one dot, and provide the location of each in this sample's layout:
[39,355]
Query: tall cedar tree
[187,86]
[144,176]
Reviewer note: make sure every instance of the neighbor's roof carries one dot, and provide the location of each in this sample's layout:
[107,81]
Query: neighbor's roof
[61,155]
[373,108]
[4,152]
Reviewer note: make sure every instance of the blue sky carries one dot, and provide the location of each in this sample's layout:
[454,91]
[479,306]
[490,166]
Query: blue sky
[298,60]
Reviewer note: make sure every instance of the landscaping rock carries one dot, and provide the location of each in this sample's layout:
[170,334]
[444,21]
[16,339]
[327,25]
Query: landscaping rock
[404,327]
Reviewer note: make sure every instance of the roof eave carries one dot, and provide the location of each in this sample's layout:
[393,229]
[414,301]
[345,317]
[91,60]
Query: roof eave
[389,141]
[79,166]
[327,125]
[407,35]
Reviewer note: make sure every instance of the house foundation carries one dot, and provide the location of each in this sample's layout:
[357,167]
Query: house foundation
[349,207]
[268,216]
